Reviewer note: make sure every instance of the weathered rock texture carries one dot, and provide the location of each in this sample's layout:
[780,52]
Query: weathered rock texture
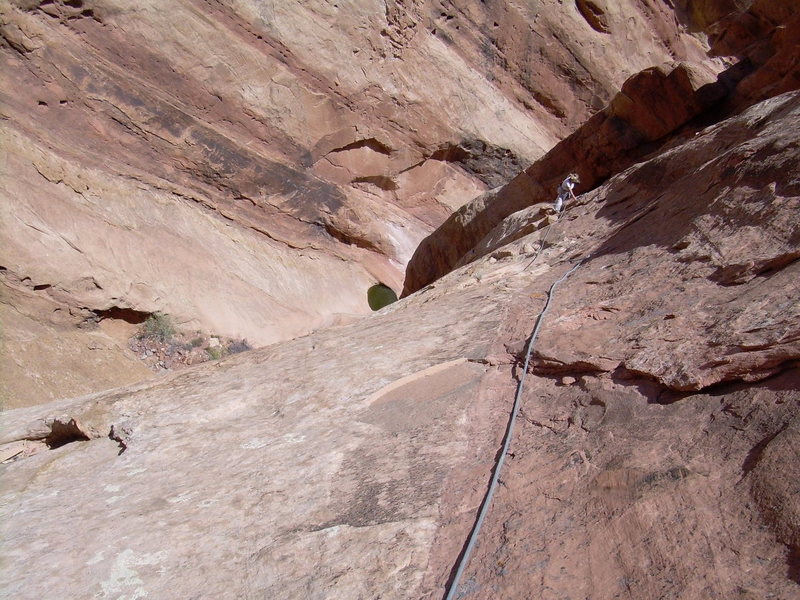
[44,361]
[251,168]
[765,33]
[655,453]
[649,110]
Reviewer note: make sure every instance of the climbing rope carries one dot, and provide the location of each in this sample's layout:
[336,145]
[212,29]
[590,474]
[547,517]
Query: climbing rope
[473,537]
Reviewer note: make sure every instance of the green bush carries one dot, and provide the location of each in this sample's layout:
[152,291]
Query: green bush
[216,352]
[159,327]
[379,296]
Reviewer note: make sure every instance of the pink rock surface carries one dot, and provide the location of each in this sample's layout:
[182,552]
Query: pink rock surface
[251,168]
[651,108]
[654,452]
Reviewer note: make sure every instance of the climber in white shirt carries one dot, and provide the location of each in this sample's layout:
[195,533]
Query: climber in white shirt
[565,191]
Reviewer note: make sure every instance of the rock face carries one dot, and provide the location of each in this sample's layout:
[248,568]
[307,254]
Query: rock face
[252,168]
[45,361]
[654,454]
[652,105]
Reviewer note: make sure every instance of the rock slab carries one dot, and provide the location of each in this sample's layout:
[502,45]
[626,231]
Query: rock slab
[657,429]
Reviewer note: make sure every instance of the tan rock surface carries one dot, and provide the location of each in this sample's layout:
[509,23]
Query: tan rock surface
[350,463]
[70,361]
[252,168]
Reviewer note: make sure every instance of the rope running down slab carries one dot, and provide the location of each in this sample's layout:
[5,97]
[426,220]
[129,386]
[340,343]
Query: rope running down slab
[451,593]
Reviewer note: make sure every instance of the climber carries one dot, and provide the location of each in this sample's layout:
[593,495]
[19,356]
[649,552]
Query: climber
[565,191]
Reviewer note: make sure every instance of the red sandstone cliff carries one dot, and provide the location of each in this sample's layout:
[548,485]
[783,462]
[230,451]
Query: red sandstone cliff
[252,168]
[653,108]
[655,454]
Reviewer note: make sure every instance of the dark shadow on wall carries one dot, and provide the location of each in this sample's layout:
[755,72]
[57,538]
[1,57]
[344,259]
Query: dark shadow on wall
[793,565]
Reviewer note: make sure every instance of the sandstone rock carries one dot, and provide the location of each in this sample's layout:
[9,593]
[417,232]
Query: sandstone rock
[764,34]
[253,168]
[658,100]
[763,191]
[778,70]
[579,519]
[704,14]
[351,462]
[516,226]
[650,105]
[772,471]
[54,359]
